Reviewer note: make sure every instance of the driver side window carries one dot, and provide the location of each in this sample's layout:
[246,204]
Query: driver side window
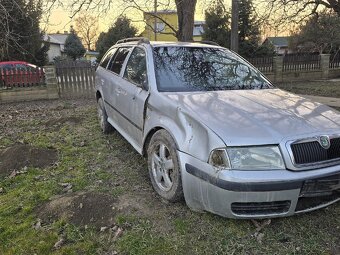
[136,68]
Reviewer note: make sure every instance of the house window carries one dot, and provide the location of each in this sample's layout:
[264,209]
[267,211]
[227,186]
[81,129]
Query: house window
[160,26]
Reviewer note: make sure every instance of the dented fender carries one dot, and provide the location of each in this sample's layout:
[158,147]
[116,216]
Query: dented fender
[191,136]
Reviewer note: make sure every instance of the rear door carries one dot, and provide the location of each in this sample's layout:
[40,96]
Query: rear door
[113,85]
[103,76]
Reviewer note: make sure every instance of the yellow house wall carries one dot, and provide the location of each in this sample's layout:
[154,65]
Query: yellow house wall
[170,18]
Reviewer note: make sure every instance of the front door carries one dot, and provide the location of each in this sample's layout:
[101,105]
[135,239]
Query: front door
[132,94]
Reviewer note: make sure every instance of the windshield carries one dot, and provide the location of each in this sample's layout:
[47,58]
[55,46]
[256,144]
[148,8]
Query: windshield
[204,69]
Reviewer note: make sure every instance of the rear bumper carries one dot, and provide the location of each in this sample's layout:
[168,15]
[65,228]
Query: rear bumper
[257,194]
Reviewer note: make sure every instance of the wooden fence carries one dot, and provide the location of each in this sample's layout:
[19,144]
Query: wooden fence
[75,79]
[21,77]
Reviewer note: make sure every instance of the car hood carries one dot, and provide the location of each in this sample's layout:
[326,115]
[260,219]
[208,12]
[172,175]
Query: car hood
[254,117]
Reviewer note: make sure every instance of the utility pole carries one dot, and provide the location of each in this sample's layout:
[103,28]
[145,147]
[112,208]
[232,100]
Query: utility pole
[155,25]
[234,25]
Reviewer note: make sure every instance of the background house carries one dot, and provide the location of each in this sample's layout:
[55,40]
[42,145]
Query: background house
[280,44]
[57,43]
[91,55]
[164,32]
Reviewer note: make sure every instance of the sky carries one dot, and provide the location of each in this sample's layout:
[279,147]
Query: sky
[59,19]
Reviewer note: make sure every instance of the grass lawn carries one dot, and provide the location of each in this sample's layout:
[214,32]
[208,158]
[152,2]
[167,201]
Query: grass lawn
[329,88]
[94,197]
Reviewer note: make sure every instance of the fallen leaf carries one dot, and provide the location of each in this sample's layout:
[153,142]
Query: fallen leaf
[259,237]
[67,187]
[58,244]
[64,184]
[260,225]
[118,233]
[114,228]
[13,174]
[37,225]
[102,229]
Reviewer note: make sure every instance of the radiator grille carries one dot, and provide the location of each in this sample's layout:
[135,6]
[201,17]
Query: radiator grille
[312,152]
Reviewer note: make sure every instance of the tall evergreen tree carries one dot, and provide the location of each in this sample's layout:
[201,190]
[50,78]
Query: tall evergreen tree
[217,29]
[249,31]
[122,28]
[20,35]
[217,26]
[73,46]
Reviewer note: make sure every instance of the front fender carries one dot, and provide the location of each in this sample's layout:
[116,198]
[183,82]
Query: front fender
[191,136]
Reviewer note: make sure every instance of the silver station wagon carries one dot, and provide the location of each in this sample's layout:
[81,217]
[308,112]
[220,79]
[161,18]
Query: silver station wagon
[217,132]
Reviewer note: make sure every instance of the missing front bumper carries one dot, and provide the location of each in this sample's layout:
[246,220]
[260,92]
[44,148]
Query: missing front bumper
[255,194]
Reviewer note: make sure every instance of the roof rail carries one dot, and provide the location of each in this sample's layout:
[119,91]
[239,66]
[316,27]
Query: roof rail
[134,39]
[210,43]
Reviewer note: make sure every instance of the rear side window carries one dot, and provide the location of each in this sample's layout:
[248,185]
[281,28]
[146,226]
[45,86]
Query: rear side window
[107,57]
[117,62]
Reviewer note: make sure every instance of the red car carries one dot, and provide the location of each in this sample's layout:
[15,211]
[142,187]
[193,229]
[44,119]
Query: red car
[20,74]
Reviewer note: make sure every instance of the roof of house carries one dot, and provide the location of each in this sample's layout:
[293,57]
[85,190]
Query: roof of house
[162,12]
[56,38]
[280,41]
[90,52]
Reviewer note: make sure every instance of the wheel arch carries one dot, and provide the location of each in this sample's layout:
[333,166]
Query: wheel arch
[98,95]
[150,134]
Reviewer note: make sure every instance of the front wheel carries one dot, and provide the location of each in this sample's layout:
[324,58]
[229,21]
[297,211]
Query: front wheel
[102,116]
[164,168]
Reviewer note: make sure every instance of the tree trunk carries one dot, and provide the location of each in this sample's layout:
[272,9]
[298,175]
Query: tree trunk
[186,13]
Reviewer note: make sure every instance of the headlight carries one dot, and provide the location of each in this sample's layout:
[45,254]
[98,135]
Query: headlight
[255,158]
[219,158]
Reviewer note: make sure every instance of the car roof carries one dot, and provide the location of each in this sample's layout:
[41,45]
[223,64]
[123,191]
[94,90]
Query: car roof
[13,62]
[183,44]
[169,44]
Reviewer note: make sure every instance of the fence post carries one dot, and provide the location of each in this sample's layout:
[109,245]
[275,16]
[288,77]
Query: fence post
[278,68]
[51,82]
[324,64]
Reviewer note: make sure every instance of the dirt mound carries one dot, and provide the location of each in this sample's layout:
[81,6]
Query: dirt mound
[64,120]
[19,156]
[80,209]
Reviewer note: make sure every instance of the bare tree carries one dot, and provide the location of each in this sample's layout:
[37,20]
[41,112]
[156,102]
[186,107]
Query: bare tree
[86,26]
[20,36]
[297,10]
[185,11]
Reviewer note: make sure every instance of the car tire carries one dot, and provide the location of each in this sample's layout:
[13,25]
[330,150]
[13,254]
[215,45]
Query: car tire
[164,167]
[102,116]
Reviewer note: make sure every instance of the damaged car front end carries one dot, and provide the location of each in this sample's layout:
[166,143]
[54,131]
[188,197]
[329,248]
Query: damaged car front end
[252,151]
[216,132]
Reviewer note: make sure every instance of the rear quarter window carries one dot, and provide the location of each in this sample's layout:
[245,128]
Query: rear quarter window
[105,60]
[118,60]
